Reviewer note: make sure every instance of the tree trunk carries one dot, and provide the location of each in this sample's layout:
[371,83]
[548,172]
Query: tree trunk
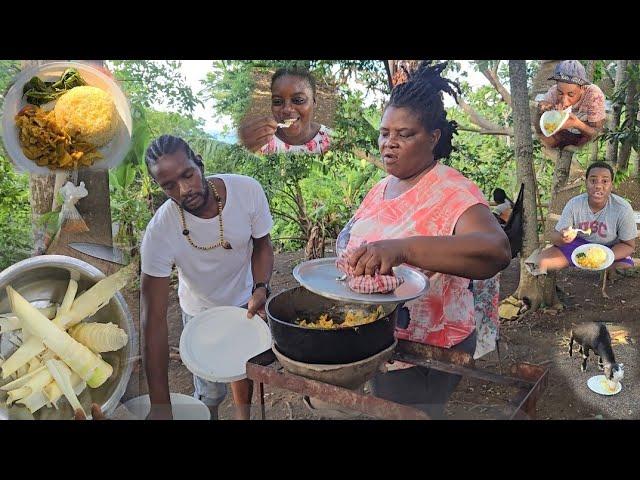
[41,193]
[530,288]
[612,145]
[541,82]
[630,113]
[95,208]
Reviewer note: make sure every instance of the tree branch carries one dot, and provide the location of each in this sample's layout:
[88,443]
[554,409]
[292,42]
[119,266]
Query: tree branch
[364,156]
[495,82]
[479,120]
[485,132]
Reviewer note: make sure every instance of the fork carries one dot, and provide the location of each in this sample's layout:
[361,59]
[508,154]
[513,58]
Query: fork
[586,232]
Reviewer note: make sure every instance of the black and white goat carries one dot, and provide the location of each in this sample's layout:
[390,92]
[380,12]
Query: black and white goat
[595,336]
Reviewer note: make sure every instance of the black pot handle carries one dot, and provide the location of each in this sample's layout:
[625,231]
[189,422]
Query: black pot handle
[403,318]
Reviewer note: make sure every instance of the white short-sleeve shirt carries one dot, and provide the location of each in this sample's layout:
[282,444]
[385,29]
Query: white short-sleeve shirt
[209,278]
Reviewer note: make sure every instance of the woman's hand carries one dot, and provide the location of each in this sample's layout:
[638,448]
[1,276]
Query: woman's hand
[378,257]
[255,132]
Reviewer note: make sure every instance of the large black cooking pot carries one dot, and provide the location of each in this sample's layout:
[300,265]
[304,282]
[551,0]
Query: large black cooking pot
[336,346]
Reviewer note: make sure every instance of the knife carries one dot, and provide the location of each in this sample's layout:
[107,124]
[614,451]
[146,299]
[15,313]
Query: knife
[103,252]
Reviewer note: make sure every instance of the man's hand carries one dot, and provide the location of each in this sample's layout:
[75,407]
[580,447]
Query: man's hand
[257,303]
[96,413]
[545,106]
[568,235]
[377,257]
[571,122]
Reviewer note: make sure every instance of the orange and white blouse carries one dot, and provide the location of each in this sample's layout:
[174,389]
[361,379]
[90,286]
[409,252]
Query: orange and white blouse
[445,315]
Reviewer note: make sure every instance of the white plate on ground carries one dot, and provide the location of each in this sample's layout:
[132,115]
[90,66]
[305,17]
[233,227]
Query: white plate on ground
[583,248]
[113,152]
[320,276]
[556,117]
[599,385]
[217,343]
[183,407]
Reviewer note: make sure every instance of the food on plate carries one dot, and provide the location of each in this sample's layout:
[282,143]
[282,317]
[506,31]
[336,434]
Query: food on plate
[38,92]
[608,385]
[352,318]
[44,142]
[88,114]
[593,257]
[550,126]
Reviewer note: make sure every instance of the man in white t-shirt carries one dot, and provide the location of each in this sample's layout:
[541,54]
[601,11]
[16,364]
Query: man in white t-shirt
[222,260]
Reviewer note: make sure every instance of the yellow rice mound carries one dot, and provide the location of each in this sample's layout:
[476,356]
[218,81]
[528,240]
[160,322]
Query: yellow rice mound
[592,258]
[87,114]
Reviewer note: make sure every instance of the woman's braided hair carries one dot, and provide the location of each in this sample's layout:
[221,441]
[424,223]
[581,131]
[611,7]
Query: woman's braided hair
[422,93]
[295,72]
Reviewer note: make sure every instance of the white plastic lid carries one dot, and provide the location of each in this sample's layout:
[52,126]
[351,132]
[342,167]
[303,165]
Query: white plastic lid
[217,343]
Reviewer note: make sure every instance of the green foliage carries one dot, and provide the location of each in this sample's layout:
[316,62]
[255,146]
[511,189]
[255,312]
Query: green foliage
[15,211]
[148,82]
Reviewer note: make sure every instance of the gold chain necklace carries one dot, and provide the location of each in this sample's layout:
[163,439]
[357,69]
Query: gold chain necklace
[185,231]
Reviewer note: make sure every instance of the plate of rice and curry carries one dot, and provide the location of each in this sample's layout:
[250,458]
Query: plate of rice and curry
[593,256]
[66,116]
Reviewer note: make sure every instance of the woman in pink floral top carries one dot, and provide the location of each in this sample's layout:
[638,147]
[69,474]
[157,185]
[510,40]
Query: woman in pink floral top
[291,129]
[429,216]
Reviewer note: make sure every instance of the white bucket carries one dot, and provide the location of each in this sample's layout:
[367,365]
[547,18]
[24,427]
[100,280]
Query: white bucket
[184,407]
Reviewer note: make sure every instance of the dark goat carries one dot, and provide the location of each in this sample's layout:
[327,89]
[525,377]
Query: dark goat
[595,336]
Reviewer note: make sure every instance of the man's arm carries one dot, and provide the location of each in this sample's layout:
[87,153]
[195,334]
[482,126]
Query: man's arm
[154,295]
[261,268]
[624,249]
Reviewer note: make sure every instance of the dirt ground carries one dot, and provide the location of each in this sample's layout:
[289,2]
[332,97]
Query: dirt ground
[540,338]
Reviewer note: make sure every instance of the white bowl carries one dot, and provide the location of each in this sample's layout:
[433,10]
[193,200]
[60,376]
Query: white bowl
[583,248]
[183,407]
[114,152]
[555,116]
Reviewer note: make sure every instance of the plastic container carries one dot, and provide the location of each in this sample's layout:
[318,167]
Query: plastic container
[183,407]
[114,152]
[553,117]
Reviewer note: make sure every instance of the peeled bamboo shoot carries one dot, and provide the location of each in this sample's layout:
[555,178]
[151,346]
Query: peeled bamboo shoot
[62,375]
[79,358]
[35,384]
[28,350]
[100,337]
[10,322]
[19,382]
[67,301]
[97,296]
[51,394]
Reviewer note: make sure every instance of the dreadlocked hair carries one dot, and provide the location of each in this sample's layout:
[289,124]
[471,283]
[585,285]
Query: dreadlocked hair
[295,72]
[166,145]
[422,93]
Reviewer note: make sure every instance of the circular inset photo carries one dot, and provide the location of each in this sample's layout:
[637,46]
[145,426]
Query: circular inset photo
[66,116]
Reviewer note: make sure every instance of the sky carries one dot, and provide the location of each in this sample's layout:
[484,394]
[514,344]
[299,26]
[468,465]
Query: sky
[196,70]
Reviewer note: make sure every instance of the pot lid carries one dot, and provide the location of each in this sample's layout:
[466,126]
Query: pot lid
[217,343]
[321,276]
